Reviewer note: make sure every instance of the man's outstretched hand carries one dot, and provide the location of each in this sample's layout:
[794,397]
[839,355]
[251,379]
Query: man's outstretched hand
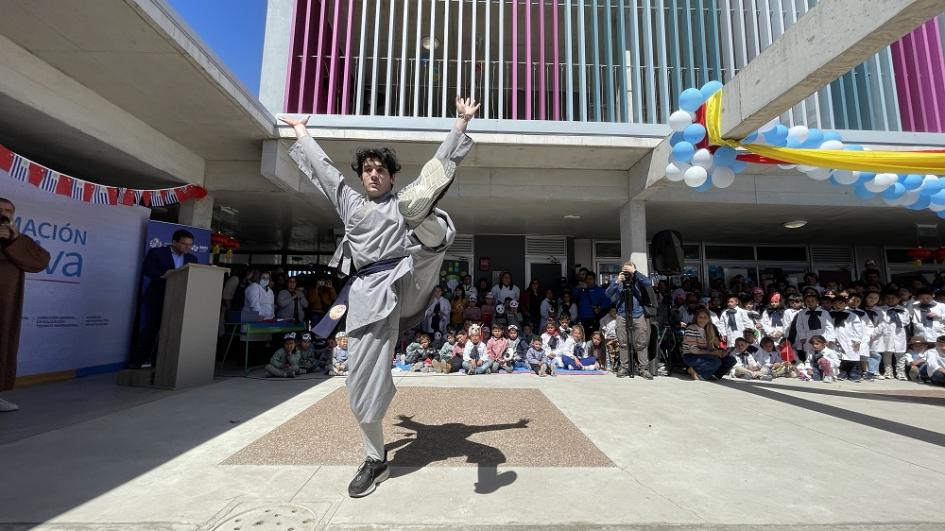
[466,110]
[299,125]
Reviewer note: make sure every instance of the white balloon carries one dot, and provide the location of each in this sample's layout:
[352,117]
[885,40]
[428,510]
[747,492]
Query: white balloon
[799,133]
[819,174]
[770,125]
[832,145]
[723,177]
[875,186]
[846,177]
[702,158]
[886,179]
[936,208]
[680,120]
[907,198]
[927,180]
[674,172]
[696,176]
[805,169]
[786,166]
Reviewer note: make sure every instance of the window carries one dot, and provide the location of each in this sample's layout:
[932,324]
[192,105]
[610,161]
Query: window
[730,252]
[692,251]
[607,249]
[782,254]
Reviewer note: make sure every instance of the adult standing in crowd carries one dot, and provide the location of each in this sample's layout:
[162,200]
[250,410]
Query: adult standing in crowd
[259,296]
[505,289]
[531,304]
[19,255]
[157,262]
[592,302]
[437,314]
[701,349]
[468,288]
[641,288]
[291,302]
[320,298]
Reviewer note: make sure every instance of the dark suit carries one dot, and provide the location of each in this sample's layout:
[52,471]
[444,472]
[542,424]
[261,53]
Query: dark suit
[157,262]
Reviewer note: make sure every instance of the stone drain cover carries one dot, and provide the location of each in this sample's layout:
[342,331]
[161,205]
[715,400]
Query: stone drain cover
[283,517]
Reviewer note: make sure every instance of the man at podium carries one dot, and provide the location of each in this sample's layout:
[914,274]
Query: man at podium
[157,262]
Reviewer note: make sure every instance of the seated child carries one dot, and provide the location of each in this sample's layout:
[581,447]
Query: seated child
[564,325]
[753,363]
[496,349]
[537,360]
[308,359]
[826,360]
[339,361]
[552,342]
[597,348]
[420,354]
[915,357]
[779,367]
[285,362]
[472,312]
[475,359]
[574,356]
[456,362]
[933,371]
[515,352]
[445,354]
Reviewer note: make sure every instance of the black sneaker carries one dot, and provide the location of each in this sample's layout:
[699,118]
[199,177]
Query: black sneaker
[622,372]
[369,475]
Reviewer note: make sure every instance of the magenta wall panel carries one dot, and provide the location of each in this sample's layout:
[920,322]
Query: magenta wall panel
[920,78]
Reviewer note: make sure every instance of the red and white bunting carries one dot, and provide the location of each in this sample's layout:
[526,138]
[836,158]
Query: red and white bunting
[26,171]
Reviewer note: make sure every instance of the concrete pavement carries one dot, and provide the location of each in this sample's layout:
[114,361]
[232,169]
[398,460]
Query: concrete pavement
[699,455]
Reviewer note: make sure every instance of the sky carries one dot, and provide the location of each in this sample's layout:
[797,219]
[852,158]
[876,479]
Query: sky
[233,29]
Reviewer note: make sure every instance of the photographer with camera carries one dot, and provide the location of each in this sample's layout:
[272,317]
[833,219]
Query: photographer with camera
[641,290]
[19,255]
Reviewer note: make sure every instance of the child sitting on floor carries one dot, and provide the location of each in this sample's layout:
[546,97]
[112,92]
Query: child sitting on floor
[339,361]
[574,356]
[598,349]
[285,362]
[552,342]
[496,349]
[517,348]
[444,356]
[475,359]
[753,362]
[420,354]
[933,371]
[826,360]
[308,359]
[915,357]
[779,367]
[537,359]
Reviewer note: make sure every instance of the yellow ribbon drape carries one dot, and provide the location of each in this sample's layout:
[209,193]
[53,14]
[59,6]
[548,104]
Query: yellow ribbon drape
[904,162]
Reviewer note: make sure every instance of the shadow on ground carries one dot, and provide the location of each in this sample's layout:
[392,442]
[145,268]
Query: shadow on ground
[431,443]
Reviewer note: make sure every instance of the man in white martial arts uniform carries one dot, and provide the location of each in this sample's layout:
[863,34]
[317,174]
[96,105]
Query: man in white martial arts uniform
[396,244]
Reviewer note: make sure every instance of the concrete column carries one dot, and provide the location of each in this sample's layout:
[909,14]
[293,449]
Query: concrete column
[633,234]
[196,212]
[276,54]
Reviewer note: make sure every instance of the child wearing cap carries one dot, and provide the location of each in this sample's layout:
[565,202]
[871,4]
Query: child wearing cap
[512,315]
[339,361]
[500,317]
[285,362]
[933,371]
[472,312]
[308,359]
[475,360]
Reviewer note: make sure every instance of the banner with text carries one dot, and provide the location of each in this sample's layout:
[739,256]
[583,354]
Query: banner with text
[77,313]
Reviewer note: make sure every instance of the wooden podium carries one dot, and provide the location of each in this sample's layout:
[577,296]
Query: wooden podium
[187,344]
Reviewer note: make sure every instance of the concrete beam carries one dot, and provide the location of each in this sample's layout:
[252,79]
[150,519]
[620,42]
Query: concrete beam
[646,176]
[275,60]
[36,85]
[277,167]
[827,42]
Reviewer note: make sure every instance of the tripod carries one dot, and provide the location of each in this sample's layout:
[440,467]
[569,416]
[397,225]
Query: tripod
[628,323]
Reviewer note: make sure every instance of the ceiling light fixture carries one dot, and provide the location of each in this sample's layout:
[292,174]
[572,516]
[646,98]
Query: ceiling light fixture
[572,216]
[430,43]
[796,224]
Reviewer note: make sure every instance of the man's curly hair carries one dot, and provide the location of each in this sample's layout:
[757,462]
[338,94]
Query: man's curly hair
[386,155]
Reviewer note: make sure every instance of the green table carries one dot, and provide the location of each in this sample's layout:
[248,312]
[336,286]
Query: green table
[262,327]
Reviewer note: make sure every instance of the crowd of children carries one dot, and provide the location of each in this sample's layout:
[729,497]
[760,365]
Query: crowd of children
[865,332]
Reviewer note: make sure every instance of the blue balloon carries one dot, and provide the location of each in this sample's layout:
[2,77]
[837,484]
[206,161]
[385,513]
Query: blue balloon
[683,152]
[861,192]
[852,147]
[777,136]
[921,203]
[694,133]
[724,156]
[864,176]
[938,198]
[751,138]
[739,166]
[710,88]
[941,214]
[815,137]
[706,186]
[832,135]
[912,181]
[933,186]
[894,192]
[691,99]
[793,143]
[676,138]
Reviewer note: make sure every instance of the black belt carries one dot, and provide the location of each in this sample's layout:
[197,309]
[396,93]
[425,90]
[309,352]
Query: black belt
[327,325]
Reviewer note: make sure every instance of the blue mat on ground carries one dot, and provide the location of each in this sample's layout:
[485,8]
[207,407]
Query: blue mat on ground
[406,367]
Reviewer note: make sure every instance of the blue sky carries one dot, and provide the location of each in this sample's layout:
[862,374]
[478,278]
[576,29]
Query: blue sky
[233,29]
